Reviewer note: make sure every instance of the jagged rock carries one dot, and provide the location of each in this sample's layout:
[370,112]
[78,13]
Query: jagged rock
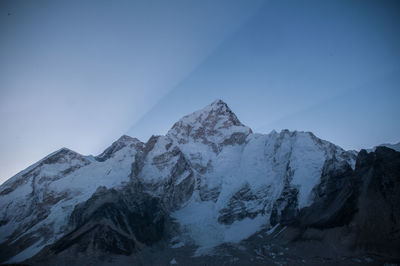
[111,221]
[214,125]
[36,202]
[355,212]
[334,199]
[209,182]
[237,208]
[378,215]
[121,143]
[162,169]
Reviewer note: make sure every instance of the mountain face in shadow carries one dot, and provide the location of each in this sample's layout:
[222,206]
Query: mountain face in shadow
[208,192]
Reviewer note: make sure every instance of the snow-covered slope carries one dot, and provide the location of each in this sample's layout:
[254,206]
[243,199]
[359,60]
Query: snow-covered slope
[241,176]
[240,179]
[218,180]
[395,147]
[35,204]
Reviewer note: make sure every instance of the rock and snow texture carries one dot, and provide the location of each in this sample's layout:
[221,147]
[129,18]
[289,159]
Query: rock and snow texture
[243,177]
[395,147]
[35,204]
[216,178]
[214,125]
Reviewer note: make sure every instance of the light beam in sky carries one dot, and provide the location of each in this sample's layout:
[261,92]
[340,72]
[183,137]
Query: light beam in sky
[78,74]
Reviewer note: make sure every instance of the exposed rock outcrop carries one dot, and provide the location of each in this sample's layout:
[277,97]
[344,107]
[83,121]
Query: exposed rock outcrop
[207,185]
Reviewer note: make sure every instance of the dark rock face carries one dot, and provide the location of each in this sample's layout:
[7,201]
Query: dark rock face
[39,202]
[237,178]
[174,189]
[364,204]
[236,209]
[111,221]
[378,216]
[235,138]
[207,193]
[179,188]
[334,198]
[98,238]
[285,209]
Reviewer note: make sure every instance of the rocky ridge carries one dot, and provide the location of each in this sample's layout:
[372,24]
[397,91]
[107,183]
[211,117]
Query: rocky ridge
[209,182]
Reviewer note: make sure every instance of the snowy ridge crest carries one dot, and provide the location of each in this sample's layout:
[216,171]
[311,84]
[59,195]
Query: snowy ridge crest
[218,180]
[212,124]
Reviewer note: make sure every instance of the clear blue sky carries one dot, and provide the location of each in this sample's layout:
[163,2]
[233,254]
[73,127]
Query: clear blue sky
[81,73]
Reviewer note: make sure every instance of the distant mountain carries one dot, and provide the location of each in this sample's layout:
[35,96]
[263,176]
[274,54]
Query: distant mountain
[208,192]
[395,147]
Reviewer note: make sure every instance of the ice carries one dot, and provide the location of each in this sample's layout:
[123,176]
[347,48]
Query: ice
[199,219]
[79,185]
[262,163]
[270,231]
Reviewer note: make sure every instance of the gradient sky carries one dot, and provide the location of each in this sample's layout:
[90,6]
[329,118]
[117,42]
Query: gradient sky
[81,73]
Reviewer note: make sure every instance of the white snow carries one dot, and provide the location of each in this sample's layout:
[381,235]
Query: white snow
[213,118]
[395,147]
[79,186]
[263,163]
[199,220]
[307,160]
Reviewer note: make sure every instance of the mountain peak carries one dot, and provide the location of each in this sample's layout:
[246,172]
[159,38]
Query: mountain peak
[395,146]
[214,123]
[218,102]
[126,138]
[117,145]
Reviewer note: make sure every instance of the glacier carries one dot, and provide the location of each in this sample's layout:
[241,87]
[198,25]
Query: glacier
[217,181]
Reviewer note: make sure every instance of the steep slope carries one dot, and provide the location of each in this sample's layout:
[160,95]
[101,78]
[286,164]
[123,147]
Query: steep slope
[111,221]
[245,180]
[378,204]
[211,179]
[36,203]
[395,147]
[354,219]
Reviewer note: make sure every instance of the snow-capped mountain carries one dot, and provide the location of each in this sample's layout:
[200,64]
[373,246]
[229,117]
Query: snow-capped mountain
[36,203]
[395,147]
[209,182]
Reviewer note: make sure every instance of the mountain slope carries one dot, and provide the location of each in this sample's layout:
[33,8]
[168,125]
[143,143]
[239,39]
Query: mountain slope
[395,147]
[36,202]
[208,182]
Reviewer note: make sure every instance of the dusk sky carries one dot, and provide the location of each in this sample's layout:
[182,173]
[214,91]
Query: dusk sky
[80,74]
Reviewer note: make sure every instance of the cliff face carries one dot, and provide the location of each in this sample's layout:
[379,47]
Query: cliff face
[354,217]
[208,183]
[378,218]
